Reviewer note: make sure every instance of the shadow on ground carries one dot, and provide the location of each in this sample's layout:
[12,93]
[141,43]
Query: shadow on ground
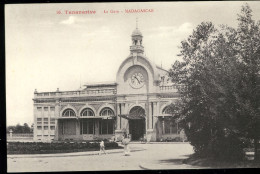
[178,161]
[213,163]
[172,161]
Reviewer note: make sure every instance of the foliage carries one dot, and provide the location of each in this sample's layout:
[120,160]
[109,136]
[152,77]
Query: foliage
[20,128]
[219,78]
[55,147]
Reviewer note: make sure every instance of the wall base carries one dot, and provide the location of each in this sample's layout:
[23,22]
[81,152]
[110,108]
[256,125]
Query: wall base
[150,135]
[119,135]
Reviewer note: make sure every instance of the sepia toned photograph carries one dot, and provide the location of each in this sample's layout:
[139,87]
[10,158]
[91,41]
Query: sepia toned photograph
[132,86]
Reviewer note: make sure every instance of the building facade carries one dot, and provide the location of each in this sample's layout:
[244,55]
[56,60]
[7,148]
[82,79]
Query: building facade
[136,104]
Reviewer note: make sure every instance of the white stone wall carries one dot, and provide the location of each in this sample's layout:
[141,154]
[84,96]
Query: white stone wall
[44,121]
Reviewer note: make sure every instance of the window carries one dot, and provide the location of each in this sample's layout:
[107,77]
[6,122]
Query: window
[39,137]
[170,126]
[52,121]
[87,112]
[39,112]
[170,110]
[46,121]
[106,125]
[107,112]
[52,111]
[87,126]
[39,119]
[39,128]
[45,113]
[68,113]
[167,110]
[68,127]
[45,127]
[52,127]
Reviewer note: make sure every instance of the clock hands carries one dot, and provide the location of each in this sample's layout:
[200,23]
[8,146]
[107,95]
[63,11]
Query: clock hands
[137,79]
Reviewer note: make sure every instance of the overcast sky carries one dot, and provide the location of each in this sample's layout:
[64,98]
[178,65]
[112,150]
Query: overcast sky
[46,50]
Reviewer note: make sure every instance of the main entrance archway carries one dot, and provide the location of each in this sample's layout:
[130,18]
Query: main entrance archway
[137,122]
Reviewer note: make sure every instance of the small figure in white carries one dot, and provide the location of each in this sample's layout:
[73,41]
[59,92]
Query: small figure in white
[125,142]
[182,135]
[102,147]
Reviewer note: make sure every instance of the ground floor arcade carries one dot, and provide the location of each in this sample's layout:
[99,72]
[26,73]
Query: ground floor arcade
[109,126]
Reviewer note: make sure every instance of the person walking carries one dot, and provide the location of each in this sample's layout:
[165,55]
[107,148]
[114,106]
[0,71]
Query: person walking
[125,142]
[102,147]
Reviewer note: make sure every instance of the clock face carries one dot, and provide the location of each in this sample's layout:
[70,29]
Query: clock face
[137,80]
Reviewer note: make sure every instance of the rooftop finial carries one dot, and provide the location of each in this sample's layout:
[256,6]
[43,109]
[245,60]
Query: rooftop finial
[137,23]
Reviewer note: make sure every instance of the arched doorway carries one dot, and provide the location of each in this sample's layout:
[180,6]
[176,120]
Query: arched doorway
[137,122]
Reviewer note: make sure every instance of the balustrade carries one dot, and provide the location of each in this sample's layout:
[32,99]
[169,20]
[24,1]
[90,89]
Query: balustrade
[77,93]
[173,88]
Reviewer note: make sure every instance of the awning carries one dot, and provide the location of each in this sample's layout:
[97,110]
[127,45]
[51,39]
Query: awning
[86,117]
[67,118]
[132,117]
[164,115]
[98,117]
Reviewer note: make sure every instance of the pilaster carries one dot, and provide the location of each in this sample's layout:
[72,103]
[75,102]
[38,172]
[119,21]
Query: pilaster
[56,115]
[35,123]
[150,116]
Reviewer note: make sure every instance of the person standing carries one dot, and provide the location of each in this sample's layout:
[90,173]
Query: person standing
[102,147]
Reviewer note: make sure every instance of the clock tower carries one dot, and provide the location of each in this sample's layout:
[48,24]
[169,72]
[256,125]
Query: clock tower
[137,47]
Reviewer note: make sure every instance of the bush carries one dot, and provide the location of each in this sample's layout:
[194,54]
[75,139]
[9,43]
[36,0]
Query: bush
[177,139]
[55,147]
[225,148]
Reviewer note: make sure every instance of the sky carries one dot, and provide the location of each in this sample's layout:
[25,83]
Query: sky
[46,50]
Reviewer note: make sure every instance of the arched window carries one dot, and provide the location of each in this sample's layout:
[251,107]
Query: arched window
[68,113]
[170,109]
[166,110]
[106,126]
[137,112]
[87,112]
[87,126]
[107,112]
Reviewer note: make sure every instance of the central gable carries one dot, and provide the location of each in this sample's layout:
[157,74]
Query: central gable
[132,65]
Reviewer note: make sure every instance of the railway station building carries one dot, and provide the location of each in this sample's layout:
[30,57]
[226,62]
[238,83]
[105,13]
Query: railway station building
[137,103]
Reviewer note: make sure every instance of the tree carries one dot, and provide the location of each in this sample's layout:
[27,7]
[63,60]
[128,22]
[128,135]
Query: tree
[19,128]
[248,48]
[26,128]
[219,92]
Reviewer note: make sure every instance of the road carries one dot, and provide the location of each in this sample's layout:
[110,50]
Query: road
[155,156]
